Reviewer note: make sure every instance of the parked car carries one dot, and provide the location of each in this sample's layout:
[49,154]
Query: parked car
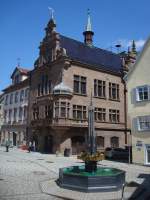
[116,153]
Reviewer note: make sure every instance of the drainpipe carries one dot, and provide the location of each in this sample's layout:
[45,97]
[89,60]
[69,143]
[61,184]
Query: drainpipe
[125,110]
[128,143]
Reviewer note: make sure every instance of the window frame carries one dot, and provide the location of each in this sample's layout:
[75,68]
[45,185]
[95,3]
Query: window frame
[138,95]
[114,113]
[100,113]
[61,109]
[100,141]
[21,95]
[113,86]
[7,99]
[79,110]
[112,139]
[11,98]
[99,85]
[141,120]
[80,85]
[16,96]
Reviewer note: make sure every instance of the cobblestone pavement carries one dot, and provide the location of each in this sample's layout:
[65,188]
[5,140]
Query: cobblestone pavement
[22,173]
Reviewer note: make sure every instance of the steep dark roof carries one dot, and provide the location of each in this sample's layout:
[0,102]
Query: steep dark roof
[17,86]
[100,58]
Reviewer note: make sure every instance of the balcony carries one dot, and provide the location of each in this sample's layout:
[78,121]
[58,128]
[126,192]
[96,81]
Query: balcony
[60,122]
[44,98]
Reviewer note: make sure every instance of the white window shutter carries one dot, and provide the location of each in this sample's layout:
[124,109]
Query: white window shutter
[135,125]
[133,95]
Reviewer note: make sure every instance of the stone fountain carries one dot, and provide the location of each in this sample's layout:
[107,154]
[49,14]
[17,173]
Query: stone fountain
[90,177]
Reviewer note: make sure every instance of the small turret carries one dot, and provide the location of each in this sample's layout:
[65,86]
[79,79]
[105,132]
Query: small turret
[63,90]
[51,26]
[88,33]
[133,50]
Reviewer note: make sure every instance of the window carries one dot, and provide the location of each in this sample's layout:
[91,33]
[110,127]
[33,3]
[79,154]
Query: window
[35,113]
[16,97]
[48,111]
[26,93]
[114,141]
[15,114]
[20,113]
[10,115]
[16,79]
[79,85]
[99,88]
[25,113]
[100,142]
[21,95]
[62,109]
[100,114]
[11,99]
[114,116]
[6,100]
[44,87]
[57,109]
[79,112]
[49,86]
[114,91]
[5,116]
[39,90]
[142,93]
[46,84]
[143,123]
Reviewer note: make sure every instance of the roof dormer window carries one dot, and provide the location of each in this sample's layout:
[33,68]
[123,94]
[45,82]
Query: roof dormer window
[16,79]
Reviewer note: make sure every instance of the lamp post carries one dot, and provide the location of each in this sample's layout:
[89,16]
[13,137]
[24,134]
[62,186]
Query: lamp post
[91,165]
[91,129]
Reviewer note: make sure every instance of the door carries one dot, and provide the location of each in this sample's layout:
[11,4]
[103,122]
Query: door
[48,147]
[147,154]
[14,138]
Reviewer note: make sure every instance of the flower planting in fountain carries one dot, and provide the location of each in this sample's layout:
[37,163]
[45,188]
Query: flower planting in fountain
[86,156]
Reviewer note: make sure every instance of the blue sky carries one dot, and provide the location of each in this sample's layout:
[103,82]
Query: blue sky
[22,24]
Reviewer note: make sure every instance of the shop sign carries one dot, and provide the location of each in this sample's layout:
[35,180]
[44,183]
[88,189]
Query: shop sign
[139,144]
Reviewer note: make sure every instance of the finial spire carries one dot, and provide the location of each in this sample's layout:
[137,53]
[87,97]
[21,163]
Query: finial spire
[89,25]
[133,46]
[18,62]
[88,33]
[51,10]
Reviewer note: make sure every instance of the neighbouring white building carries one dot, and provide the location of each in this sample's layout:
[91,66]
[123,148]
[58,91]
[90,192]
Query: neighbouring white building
[15,108]
[1,112]
[138,85]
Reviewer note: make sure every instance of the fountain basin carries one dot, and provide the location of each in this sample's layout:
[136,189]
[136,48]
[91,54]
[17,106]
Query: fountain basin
[104,179]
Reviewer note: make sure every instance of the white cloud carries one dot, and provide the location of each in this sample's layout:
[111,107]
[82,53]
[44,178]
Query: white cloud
[125,43]
[139,43]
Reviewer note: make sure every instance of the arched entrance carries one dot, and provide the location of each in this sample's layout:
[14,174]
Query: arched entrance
[78,144]
[48,144]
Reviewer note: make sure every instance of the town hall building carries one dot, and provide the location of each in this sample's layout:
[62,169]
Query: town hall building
[65,75]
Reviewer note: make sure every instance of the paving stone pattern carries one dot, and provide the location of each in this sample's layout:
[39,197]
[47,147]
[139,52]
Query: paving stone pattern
[30,176]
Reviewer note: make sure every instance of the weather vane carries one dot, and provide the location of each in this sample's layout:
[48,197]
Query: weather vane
[51,12]
[18,62]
